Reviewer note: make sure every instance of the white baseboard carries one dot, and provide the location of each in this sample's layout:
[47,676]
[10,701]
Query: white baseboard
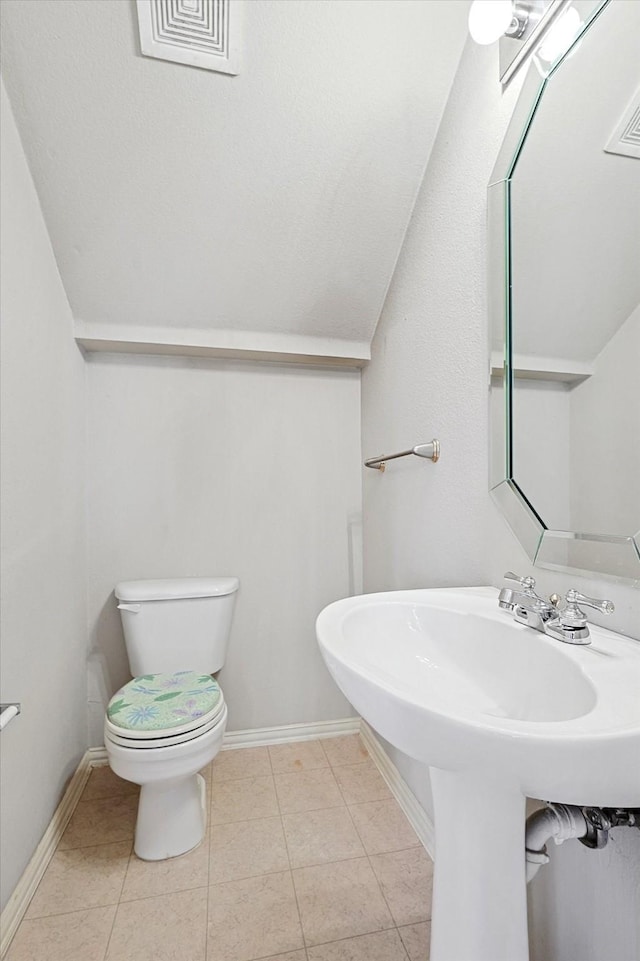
[289,733]
[25,889]
[98,756]
[416,815]
[262,736]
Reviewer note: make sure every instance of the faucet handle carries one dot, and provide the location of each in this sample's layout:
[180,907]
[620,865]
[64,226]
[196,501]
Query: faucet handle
[574,598]
[528,583]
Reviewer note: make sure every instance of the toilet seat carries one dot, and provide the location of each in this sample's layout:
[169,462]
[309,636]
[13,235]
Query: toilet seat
[161,710]
[149,739]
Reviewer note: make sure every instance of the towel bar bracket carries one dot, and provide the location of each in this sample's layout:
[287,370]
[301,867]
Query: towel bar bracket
[8,712]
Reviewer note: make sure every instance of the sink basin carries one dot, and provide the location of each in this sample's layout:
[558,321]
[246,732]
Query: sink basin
[464,664]
[498,712]
[452,681]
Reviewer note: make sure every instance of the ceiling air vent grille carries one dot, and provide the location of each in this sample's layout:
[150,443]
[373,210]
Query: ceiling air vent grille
[626,136]
[200,33]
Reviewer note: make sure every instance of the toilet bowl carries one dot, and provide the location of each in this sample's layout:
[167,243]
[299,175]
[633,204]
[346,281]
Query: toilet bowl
[165,762]
[167,724]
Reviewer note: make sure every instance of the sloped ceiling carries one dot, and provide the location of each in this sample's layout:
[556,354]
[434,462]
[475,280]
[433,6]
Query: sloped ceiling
[266,209]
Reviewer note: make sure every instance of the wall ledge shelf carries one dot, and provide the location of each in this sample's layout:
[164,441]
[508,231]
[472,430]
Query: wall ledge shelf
[250,346]
[559,369]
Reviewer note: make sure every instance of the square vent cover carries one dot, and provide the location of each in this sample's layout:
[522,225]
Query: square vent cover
[626,137]
[200,33]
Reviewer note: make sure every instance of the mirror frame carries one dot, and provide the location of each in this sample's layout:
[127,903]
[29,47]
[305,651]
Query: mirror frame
[610,556]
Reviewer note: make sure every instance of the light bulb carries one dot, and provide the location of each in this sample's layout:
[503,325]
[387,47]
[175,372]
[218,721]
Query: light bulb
[489,19]
[560,36]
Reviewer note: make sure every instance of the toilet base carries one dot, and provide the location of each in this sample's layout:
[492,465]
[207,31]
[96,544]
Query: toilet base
[172,818]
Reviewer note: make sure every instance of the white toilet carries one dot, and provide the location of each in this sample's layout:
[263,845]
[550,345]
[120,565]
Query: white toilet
[166,724]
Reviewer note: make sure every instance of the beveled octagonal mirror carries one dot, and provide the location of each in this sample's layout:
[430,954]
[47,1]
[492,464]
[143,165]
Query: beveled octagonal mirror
[564,241]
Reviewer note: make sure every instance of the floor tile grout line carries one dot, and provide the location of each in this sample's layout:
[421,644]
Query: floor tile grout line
[368,856]
[80,847]
[315,864]
[209,884]
[270,761]
[106,797]
[403,945]
[245,777]
[359,857]
[111,797]
[324,752]
[308,769]
[124,876]
[208,827]
[330,807]
[165,894]
[119,902]
[293,883]
[268,957]
[113,924]
[94,844]
[265,874]
[323,944]
[366,853]
[406,949]
[126,873]
[246,877]
[64,914]
[333,764]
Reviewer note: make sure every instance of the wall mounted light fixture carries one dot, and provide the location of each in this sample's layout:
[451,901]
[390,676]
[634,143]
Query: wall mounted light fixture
[524,27]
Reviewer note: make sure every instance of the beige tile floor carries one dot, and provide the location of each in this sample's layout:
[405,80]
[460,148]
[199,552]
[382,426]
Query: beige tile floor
[307,858]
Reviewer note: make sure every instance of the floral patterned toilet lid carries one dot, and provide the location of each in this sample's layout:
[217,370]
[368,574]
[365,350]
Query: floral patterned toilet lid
[164,702]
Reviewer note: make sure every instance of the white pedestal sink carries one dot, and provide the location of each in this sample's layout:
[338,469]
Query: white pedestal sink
[499,712]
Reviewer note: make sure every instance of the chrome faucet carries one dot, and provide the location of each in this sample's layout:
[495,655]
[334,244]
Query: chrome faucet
[567,624]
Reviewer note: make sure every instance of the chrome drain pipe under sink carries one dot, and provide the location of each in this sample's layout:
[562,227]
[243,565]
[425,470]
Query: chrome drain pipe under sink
[562,822]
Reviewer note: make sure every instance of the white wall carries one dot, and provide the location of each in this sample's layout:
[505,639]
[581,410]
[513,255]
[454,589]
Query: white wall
[541,409]
[424,523]
[593,427]
[214,468]
[427,525]
[605,427]
[43,621]
[585,905]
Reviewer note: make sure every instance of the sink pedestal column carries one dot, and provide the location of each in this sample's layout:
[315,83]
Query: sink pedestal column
[479,888]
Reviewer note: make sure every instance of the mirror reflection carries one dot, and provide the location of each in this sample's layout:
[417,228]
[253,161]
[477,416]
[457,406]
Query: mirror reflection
[564,246]
[575,228]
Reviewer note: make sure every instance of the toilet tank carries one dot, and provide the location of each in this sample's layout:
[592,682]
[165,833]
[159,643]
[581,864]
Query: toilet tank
[179,624]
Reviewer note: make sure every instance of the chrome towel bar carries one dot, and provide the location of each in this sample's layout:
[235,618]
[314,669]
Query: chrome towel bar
[431,451]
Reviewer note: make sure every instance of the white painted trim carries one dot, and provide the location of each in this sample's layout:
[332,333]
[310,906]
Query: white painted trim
[98,756]
[528,367]
[289,733]
[262,736]
[416,815]
[25,889]
[221,344]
